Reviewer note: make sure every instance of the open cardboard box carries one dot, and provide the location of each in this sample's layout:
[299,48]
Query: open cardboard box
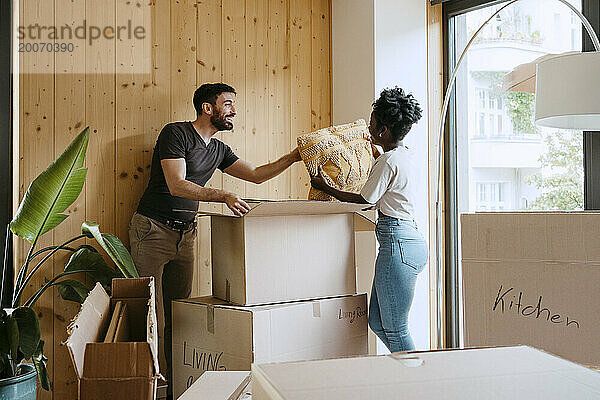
[503,373]
[286,251]
[125,367]
[532,278]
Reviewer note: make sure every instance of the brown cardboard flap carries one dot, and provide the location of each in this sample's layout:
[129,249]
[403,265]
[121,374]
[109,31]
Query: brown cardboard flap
[118,360]
[122,333]
[137,316]
[117,388]
[117,314]
[89,325]
[131,287]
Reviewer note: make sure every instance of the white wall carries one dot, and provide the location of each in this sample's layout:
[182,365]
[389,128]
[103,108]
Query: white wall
[352,50]
[353,82]
[401,60]
[378,44]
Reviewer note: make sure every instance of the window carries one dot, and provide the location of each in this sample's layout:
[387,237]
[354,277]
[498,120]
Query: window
[478,173]
[504,144]
[6,192]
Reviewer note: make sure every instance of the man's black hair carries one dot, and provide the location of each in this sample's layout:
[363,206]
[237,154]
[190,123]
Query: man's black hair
[208,93]
[396,110]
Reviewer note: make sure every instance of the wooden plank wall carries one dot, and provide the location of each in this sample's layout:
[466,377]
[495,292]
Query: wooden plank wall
[276,53]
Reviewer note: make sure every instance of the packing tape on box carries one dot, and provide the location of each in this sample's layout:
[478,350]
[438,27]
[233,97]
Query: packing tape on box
[316,309]
[210,318]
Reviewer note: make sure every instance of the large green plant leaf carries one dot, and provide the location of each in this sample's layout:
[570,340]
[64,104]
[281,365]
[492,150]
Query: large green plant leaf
[88,258]
[29,330]
[72,290]
[113,246]
[52,192]
[40,361]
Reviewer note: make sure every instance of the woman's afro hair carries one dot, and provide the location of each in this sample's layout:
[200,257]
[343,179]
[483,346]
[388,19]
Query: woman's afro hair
[396,110]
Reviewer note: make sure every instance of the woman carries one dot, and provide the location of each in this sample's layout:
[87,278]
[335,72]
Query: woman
[402,250]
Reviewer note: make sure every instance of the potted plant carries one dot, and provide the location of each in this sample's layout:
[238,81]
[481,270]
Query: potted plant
[41,210]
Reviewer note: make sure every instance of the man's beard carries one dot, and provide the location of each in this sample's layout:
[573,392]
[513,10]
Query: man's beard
[220,122]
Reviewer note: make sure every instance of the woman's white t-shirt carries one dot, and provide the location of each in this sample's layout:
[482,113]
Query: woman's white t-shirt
[388,185]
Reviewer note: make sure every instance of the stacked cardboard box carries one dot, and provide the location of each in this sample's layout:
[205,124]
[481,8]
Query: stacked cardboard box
[532,278]
[284,281]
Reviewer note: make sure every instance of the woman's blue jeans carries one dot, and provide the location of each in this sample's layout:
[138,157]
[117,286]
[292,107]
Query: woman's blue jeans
[402,255]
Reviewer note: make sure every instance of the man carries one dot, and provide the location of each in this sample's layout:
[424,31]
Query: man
[185,157]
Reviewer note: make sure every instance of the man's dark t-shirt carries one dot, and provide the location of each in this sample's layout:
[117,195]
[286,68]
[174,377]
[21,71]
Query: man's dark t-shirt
[180,140]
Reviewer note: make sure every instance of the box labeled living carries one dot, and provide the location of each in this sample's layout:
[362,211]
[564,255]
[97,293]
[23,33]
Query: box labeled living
[209,334]
[284,251]
[504,373]
[532,278]
[115,353]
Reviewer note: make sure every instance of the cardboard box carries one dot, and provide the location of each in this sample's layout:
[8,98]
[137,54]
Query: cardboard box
[284,251]
[532,278]
[493,373]
[209,334]
[218,385]
[127,366]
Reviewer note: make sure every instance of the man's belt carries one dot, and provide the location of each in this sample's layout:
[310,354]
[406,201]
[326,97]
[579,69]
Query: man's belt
[175,224]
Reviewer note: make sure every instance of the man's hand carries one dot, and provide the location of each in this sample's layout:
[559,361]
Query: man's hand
[319,182]
[295,155]
[238,206]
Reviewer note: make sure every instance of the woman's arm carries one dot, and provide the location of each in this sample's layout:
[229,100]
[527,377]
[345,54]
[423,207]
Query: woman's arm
[319,183]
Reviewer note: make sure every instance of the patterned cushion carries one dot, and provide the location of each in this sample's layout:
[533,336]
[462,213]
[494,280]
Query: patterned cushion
[343,152]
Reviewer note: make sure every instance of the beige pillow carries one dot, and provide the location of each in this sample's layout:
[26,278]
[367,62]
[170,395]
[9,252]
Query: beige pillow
[344,153]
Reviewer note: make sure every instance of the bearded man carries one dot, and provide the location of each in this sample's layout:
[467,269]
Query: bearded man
[185,157]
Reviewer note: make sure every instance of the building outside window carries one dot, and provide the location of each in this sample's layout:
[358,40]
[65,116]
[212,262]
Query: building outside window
[505,162]
[490,196]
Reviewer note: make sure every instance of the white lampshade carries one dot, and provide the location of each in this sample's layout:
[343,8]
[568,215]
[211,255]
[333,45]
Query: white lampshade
[568,92]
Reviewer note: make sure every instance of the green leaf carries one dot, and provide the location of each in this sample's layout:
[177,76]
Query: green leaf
[40,361]
[52,192]
[113,246]
[29,330]
[12,333]
[85,258]
[72,290]
[50,283]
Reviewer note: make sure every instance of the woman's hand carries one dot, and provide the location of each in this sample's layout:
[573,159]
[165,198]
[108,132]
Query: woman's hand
[319,182]
[374,150]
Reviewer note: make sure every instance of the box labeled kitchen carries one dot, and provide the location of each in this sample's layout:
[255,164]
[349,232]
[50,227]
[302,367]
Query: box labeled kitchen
[532,278]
